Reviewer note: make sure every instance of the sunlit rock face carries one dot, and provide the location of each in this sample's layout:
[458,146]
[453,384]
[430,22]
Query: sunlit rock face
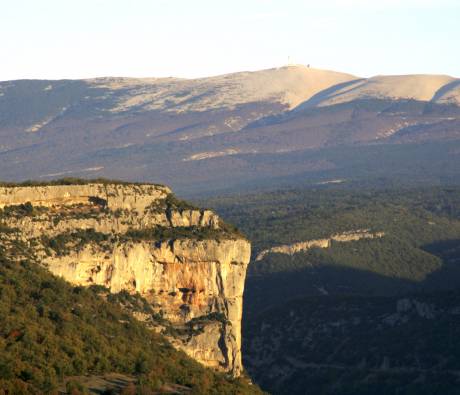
[116,196]
[138,238]
[291,249]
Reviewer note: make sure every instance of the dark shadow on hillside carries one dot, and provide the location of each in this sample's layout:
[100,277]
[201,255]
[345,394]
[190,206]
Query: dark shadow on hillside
[263,292]
[448,277]
[444,89]
[447,250]
[266,291]
[330,93]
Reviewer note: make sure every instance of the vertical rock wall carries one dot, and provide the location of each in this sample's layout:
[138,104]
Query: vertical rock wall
[194,283]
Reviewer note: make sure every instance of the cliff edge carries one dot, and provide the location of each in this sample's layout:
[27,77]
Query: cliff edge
[188,265]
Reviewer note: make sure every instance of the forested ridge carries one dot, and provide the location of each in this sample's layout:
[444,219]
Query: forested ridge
[419,225]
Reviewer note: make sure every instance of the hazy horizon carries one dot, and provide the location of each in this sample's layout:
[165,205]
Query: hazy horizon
[222,74]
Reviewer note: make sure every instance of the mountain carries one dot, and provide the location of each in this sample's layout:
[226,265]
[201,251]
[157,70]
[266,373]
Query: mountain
[278,126]
[177,269]
[438,89]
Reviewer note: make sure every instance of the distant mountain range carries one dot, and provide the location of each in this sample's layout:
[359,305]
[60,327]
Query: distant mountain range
[271,127]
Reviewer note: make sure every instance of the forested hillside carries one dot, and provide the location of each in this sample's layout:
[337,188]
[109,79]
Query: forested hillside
[370,316]
[51,332]
[418,250]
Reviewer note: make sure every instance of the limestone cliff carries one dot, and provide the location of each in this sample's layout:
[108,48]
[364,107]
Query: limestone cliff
[291,249]
[184,261]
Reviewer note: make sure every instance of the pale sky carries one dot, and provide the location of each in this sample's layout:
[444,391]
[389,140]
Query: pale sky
[193,38]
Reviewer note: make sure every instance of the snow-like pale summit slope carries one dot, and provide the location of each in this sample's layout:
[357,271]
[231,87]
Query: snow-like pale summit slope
[421,87]
[290,85]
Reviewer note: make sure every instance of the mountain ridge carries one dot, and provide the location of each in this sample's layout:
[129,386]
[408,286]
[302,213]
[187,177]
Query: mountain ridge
[268,84]
[242,128]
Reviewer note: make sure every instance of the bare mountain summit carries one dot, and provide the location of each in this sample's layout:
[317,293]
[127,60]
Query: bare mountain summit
[265,127]
[288,86]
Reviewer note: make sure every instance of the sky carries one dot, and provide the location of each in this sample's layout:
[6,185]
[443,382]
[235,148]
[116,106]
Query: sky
[53,39]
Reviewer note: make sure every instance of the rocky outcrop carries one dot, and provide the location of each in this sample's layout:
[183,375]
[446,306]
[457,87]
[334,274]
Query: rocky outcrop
[291,249]
[113,196]
[106,208]
[123,237]
[183,280]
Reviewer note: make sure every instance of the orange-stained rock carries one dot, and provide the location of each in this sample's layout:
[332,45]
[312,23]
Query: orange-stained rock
[183,278]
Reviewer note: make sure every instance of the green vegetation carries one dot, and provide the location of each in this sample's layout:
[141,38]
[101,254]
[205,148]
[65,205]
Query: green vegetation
[130,302]
[25,209]
[388,257]
[174,203]
[74,241]
[328,319]
[164,233]
[210,317]
[410,219]
[170,203]
[196,325]
[22,210]
[78,211]
[419,250]
[50,330]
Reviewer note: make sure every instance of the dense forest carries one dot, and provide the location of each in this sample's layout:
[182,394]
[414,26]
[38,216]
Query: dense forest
[369,316]
[419,248]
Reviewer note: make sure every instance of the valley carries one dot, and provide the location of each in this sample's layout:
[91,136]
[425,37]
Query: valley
[367,316]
